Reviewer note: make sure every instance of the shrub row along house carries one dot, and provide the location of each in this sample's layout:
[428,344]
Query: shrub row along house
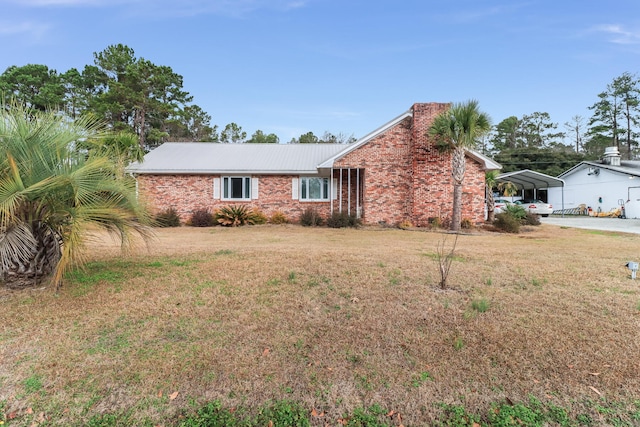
[393,174]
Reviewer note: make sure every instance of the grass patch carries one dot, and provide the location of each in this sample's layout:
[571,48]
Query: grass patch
[480,305]
[33,384]
[330,326]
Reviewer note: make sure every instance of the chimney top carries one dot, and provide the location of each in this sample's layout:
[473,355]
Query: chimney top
[611,156]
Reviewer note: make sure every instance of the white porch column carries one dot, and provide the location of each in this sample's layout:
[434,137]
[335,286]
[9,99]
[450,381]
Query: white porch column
[340,190]
[358,213]
[349,191]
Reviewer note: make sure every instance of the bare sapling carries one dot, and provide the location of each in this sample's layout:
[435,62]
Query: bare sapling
[445,258]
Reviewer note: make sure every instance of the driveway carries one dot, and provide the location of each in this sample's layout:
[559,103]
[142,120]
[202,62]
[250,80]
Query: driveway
[595,223]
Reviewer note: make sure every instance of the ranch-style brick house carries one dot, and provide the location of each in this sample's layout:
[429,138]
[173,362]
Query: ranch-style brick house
[391,175]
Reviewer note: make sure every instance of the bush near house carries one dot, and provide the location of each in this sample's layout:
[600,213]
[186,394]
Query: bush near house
[466,224]
[310,218]
[513,217]
[343,220]
[532,219]
[278,218]
[202,218]
[507,222]
[167,218]
[236,215]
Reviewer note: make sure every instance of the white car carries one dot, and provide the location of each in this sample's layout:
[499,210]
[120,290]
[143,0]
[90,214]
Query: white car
[500,205]
[537,207]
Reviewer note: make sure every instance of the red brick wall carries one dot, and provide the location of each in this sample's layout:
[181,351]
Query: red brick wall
[403,177]
[187,193]
[386,160]
[407,178]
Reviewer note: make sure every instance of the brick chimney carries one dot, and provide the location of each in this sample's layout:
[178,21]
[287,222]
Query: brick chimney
[423,115]
[431,170]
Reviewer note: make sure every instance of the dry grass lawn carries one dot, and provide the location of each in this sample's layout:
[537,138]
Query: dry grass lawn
[334,319]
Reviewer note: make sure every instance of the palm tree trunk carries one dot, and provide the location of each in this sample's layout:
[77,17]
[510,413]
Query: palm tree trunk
[456,217]
[457,172]
[36,269]
[490,204]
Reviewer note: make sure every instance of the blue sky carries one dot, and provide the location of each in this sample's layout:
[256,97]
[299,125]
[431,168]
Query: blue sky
[345,66]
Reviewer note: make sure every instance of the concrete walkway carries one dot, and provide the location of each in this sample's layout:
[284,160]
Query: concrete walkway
[595,223]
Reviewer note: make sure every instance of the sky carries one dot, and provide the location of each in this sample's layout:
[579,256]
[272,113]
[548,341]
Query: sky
[345,66]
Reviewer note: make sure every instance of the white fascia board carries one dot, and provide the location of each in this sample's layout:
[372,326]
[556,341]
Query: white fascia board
[221,172]
[578,167]
[489,164]
[329,162]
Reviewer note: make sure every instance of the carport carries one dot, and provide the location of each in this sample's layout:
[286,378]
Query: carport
[532,180]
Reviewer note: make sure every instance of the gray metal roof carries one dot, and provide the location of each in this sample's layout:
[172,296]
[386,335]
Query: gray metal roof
[528,179]
[212,158]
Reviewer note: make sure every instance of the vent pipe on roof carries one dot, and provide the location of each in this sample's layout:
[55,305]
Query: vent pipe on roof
[611,156]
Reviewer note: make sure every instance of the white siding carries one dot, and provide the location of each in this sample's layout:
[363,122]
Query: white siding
[586,187]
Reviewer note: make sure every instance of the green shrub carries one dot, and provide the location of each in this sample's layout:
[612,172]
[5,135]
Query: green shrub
[506,222]
[515,211]
[167,218]
[310,218]
[236,215]
[342,220]
[201,218]
[278,218]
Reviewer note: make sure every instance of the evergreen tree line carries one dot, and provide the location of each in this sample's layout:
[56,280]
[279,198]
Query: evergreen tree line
[534,141]
[132,95]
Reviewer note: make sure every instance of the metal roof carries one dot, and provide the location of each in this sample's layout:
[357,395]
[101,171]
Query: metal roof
[528,179]
[213,158]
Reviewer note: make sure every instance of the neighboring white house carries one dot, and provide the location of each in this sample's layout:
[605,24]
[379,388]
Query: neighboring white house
[603,185]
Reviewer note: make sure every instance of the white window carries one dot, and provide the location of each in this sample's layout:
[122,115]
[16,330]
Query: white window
[236,188]
[313,188]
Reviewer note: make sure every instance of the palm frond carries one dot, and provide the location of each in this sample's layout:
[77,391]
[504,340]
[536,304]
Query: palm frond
[17,243]
[48,184]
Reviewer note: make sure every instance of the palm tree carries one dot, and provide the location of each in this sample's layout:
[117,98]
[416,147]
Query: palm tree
[53,195]
[506,188]
[457,130]
[490,182]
